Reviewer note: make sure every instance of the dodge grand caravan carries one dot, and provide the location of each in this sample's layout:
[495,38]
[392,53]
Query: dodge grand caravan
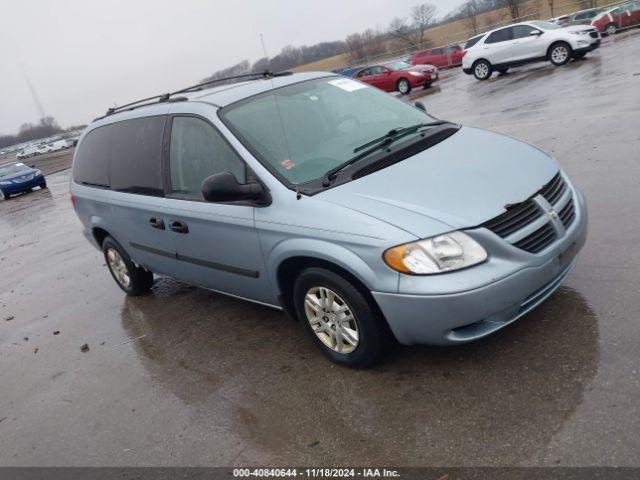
[359,215]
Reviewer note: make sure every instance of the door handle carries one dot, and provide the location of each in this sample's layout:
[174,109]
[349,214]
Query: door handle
[157,223]
[179,227]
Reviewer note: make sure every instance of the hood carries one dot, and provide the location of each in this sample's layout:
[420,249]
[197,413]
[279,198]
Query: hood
[579,28]
[423,68]
[463,181]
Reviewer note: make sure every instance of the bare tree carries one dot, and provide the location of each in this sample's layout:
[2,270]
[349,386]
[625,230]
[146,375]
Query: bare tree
[400,31]
[551,7]
[471,10]
[423,17]
[515,8]
[362,46]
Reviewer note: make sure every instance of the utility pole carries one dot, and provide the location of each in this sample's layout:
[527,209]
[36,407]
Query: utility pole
[33,92]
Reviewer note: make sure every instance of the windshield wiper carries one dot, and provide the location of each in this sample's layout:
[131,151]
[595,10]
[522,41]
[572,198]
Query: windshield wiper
[368,148]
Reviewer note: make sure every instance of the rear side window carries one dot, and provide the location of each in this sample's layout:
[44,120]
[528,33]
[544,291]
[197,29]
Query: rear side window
[472,41]
[91,166]
[123,156]
[424,53]
[198,151]
[499,36]
[437,51]
[136,147]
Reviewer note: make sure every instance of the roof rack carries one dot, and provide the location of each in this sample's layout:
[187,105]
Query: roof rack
[166,97]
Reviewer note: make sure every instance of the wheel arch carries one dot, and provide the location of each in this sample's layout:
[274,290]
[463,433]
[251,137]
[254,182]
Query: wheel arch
[289,258]
[556,42]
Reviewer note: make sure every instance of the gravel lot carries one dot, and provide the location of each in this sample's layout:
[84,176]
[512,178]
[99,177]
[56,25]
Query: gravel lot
[189,377]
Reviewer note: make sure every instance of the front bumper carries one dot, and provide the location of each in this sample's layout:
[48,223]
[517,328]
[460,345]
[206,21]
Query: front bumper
[461,317]
[15,188]
[587,48]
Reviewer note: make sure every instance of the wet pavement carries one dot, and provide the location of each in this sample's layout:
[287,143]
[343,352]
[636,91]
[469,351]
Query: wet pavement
[189,377]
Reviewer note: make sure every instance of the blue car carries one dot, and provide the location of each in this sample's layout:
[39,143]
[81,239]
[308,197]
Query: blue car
[19,178]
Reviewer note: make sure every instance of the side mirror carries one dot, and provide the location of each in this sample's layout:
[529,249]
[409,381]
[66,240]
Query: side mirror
[536,33]
[223,187]
[420,106]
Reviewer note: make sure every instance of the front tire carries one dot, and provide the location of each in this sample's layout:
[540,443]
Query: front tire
[482,70]
[131,279]
[339,319]
[560,53]
[404,86]
[611,29]
[3,196]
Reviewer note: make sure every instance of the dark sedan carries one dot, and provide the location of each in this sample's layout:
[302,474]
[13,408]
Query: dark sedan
[19,178]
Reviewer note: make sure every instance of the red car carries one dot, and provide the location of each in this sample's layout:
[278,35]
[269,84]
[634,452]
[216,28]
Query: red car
[614,19]
[398,76]
[441,57]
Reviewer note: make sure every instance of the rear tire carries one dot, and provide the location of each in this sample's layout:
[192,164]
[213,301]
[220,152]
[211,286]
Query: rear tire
[339,319]
[131,279]
[560,53]
[482,70]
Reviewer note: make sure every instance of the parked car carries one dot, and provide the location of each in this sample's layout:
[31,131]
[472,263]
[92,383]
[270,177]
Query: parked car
[349,71]
[358,214]
[17,178]
[611,21]
[398,76]
[441,57]
[26,152]
[528,42]
[44,148]
[583,17]
[558,20]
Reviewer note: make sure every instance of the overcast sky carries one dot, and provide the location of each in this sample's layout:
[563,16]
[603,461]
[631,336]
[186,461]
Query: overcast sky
[84,55]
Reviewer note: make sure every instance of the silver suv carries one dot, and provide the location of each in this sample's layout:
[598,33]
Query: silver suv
[359,215]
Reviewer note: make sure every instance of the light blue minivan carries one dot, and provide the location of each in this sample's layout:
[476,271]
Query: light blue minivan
[359,215]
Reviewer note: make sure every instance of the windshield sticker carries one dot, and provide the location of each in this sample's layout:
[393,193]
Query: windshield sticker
[287,164]
[347,84]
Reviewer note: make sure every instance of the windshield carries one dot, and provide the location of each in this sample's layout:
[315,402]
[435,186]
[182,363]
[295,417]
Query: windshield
[304,130]
[546,25]
[11,169]
[398,65]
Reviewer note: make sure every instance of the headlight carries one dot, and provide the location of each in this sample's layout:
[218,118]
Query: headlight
[443,253]
[416,74]
[37,173]
[5,182]
[582,32]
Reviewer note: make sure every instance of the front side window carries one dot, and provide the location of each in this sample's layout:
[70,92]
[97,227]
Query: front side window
[197,152]
[303,130]
[500,36]
[523,31]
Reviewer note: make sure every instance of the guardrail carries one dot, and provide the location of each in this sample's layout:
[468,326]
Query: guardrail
[463,36]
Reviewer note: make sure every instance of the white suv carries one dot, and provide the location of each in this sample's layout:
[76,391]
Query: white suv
[528,42]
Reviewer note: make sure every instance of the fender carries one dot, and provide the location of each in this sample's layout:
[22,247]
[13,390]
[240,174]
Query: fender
[330,252]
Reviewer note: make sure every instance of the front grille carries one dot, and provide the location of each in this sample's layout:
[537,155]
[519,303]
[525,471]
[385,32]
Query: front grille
[524,214]
[514,218]
[538,240]
[594,35]
[568,214]
[553,190]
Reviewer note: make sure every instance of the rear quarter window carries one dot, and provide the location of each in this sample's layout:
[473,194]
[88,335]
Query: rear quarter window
[123,156]
[472,41]
[91,166]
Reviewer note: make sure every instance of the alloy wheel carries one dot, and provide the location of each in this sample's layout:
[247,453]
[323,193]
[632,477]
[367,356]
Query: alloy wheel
[331,319]
[403,86]
[560,54]
[612,29]
[482,70]
[118,268]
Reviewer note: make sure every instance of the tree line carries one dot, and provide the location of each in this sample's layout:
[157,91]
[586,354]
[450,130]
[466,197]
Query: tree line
[46,127]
